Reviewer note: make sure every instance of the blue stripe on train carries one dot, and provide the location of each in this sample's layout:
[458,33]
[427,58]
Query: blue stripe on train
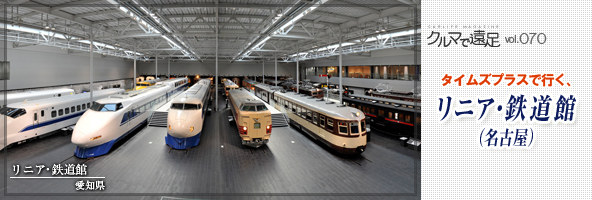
[103,148]
[182,143]
[50,122]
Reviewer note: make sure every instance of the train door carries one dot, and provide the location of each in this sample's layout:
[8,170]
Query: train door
[36,118]
[130,116]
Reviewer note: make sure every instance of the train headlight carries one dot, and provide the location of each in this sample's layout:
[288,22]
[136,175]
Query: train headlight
[268,127]
[191,129]
[244,128]
[169,127]
[94,138]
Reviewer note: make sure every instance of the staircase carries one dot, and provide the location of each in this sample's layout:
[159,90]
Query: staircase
[278,120]
[158,119]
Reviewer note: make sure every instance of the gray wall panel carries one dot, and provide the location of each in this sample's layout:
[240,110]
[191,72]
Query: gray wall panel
[41,66]
[224,68]
[380,57]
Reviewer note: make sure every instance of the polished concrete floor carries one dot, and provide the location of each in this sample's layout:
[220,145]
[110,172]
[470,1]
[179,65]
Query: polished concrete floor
[290,166]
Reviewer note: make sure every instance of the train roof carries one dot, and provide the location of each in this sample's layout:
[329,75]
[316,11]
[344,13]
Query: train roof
[37,92]
[204,81]
[268,88]
[53,100]
[393,93]
[307,88]
[242,97]
[274,81]
[251,81]
[332,110]
[127,95]
[193,95]
[152,81]
[228,82]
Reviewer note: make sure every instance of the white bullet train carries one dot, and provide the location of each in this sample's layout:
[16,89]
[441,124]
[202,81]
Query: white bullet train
[34,95]
[111,119]
[30,119]
[186,116]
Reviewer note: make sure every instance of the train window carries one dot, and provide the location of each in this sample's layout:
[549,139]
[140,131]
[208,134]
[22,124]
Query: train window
[83,106]
[308,115]
[390,115]
[343,128]
[73,109]
[293,107]
[67,110]
[261,108]
[407,118]
[78,108]
[396,115]
[53,114]
[363,125]
[60,112]
[380,112]
[59,95]
[42,113]
[125,117]
[88,105]
[402,116]
[417,119]
[330,125]
[354,129]
[190,107]
[314,118]
[35,117]
[360,108]
[322,121]
[299,110]
[372,111]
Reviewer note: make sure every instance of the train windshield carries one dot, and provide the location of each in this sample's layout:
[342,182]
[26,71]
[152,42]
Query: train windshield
[261,108]
[106,107]
[177,106]
[249,108]
[13,112]
[354,128]
[192,106]
[180,106]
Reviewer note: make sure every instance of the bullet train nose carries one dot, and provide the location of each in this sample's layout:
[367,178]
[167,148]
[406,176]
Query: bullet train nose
[78,138]
[178,129]
[90,131]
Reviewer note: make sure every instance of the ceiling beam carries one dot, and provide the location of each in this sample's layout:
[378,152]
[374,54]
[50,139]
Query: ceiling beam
[271,50]
[102,12]
[357,7]
[73,3]
[326,14]
[220,16]
[293,36]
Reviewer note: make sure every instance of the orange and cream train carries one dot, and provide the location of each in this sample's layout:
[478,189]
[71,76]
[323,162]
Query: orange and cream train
[252,118]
